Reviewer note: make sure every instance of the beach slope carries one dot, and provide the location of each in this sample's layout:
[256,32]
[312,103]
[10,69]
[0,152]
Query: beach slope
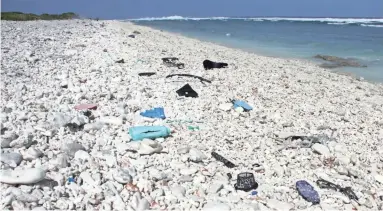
[306,123]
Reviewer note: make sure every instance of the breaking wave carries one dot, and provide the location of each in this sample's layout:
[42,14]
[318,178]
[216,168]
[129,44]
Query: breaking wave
[377,26]
[367,22]
[176,17]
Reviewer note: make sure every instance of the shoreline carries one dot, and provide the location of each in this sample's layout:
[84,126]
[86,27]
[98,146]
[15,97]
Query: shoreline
[49,76]
[309,61]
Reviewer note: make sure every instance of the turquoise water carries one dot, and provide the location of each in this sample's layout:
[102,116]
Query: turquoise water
[301,38]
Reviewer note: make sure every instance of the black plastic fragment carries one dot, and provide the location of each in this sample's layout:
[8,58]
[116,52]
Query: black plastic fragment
[169,59]
[146,74]
[207,64]
[172,62]
[188,75]
[329,185]
[187,91]
[120,61]
[180,65]
[229,176]
[223,160]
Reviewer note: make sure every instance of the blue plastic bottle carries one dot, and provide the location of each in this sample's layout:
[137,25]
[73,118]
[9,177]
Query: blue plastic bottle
[151,132]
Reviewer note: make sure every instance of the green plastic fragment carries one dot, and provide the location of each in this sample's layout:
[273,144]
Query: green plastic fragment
[193,128]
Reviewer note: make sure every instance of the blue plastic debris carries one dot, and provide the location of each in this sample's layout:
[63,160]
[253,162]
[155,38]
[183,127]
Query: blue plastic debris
[154,113]
[254,193]
[71,179]
[307,192]
[151,132]
[243,104]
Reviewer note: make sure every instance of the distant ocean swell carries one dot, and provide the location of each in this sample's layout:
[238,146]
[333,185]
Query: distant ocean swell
[366,22]
[351,38]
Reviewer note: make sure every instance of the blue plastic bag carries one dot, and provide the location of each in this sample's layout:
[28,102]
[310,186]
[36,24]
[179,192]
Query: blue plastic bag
[154,113]
[307,192]
[150,132]
[243,104]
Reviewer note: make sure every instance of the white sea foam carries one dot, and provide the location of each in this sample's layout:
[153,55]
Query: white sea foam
[176,17]
[368,25]
[338,23]
[328,20]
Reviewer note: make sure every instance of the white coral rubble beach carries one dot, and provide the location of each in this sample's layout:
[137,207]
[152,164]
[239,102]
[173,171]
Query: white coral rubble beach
[56,156]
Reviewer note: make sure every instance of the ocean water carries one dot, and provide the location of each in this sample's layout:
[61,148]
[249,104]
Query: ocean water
[302,38]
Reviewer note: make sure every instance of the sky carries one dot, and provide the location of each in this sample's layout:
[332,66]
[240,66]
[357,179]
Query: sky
[125,9]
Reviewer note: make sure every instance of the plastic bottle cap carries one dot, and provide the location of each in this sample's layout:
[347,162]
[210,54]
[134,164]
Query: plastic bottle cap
[254,192]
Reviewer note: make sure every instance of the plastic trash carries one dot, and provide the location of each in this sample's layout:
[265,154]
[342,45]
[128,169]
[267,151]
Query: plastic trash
[346,191]
[187,91]
[71,179]
[86,107]
[154,113]
[131,36]
[253,195]
[193,128]
[188,75]
[307,192]
[243,104]
[180,65]
[172,62]
[120,61]
[169,59]
[308,141]
[151,132]
[207,64]
[223,160]
[229,176]
[180,121]
[246,182]
[146,74]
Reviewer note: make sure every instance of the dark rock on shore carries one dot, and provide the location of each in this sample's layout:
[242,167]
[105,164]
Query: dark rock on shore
[335,61]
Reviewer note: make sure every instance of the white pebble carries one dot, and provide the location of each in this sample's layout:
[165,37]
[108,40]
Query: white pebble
[215,188]
[215,206]
[226,106]
[143,204]
[112,120]
[178,191]
[379,178]
[196,155]
[122,176]
[321,149]
[13,159]
[279,205]
[25,176]
[33,153]
[188,171]
[82,156]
